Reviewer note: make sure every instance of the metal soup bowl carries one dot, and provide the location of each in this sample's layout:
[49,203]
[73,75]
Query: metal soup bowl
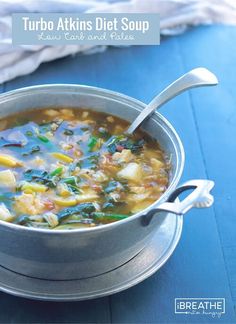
[82,253]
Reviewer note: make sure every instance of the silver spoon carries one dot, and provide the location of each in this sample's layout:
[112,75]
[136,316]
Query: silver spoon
[194,78]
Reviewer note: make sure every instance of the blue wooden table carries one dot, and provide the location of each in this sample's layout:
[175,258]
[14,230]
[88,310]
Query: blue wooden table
[204,263]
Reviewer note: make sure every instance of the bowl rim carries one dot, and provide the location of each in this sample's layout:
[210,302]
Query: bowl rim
[108,94]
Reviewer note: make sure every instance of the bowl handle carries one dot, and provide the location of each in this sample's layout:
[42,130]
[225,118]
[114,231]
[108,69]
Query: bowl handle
[200,197]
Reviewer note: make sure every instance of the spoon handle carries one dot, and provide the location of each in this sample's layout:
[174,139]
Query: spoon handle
[194,78]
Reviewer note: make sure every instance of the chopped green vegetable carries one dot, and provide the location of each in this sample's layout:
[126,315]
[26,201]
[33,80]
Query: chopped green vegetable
[103,132]
[108,206]
[40,176]
[92,142]
[45,127]
[43,138]
[22,219]
[74,189]
[124,142]
[71,183]
[90,161]
[83,209]
[84,129]
[51,219]
[73,166]
[37,225]
[68,132]
[56,172]
[112,186]
[100,216]
[29,133]
[70,180]
[34,149]
[73,169]
[111,205]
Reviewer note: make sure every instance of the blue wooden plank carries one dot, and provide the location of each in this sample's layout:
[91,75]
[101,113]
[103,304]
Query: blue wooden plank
[230,256]
[216,121]
[20,310]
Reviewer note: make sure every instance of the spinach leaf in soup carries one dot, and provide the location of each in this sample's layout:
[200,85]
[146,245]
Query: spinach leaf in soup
[40,176]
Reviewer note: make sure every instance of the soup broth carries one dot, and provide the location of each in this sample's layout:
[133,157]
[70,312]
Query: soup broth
[72,168]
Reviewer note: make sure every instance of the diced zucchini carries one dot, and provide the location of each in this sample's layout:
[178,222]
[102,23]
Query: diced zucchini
[7,179]
[51,219]
[36,218]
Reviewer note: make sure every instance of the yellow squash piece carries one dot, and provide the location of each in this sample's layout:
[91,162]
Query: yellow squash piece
[68,202]
[62,157]
[9,161]
[87,197]
[35,187]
